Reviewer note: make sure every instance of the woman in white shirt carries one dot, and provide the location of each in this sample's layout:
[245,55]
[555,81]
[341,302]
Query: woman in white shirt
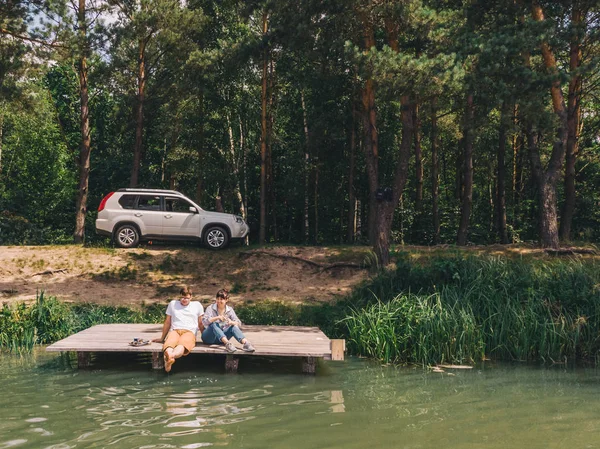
[184,318]
[221,324]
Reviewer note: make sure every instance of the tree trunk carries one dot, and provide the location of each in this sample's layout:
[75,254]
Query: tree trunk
[492,194]
[517,143]
[219,200]
[501,175]
[548,179]
[371,139]
[351,194]
[305,221]
[271,190]
[200,152]
[263,140]
[418,162]
[235,169]
[467,172]
[548,215]
[244,149]
[85,148]
[139,114]
[163,163]
[386,209]
[1,137]
[316,201]
[371,155]
[272,206]
[546,195]
[199,189]
[573,125]
[435,169]
[358,218]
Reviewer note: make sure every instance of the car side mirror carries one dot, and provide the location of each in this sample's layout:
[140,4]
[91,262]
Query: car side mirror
[193,210]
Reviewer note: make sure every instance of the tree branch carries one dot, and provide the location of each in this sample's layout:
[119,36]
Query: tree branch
[31,39]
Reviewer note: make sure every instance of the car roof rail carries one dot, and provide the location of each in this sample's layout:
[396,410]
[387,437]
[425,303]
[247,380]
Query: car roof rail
[129,189]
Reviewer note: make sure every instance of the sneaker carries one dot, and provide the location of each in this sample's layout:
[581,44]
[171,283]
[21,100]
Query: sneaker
[229,347]
[248,347]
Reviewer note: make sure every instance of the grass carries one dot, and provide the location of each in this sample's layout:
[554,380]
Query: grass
[126,273]
[462,309]
[238,287]
[172,265]
[453,308]
[48,320]
[141,256]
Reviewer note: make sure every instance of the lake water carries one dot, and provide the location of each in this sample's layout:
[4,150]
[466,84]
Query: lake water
[47,403]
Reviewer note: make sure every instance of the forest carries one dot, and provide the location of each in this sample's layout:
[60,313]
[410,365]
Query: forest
[377,122]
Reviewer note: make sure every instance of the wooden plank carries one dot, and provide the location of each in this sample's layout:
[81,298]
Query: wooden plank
[277,341]
[338,347]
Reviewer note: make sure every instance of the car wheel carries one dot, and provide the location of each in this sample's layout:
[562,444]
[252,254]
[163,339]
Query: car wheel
[127,236]
[216,238]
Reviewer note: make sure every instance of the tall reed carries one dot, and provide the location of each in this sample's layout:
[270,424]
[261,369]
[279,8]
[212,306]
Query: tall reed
[413,328]
[17,331]
[465,309]
[48,320]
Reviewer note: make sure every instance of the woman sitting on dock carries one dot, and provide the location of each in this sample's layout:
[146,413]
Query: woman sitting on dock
[180,327]
[221,324]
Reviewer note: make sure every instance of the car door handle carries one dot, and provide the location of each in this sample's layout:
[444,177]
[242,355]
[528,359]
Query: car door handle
[168,216]
[138,214]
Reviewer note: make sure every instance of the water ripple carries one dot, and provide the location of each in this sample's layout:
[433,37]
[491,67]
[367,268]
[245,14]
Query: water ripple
[357,404]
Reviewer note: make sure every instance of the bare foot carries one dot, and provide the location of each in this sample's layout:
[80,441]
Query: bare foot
[168,362]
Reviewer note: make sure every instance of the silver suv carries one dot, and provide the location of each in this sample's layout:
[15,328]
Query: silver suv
[131,215]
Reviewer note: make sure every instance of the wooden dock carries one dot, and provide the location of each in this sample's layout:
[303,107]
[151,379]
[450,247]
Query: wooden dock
[307,343]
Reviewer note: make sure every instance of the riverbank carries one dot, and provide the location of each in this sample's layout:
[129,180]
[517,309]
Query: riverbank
[451,307]
[153,273]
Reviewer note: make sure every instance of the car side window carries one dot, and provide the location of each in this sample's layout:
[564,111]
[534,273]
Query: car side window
[177,205]
[147,202]
[127,201]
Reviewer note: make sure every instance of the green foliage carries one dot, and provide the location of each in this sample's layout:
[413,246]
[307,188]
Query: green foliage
[202,108]
[17,329]
[171,264]
[15,229]
[88,315]
[36,184]
[325,316]
[464,308]
[53,320]
[416,329]
[48,320]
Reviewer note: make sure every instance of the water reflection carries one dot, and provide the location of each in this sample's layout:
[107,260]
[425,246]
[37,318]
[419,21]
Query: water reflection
[356,404]
[337,399]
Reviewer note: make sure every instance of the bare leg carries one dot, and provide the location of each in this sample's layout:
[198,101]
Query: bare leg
[171,354]
[178,351]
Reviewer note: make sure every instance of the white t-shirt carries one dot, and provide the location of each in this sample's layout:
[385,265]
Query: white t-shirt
[185,317]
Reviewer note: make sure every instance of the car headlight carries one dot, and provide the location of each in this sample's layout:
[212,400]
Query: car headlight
[238,219]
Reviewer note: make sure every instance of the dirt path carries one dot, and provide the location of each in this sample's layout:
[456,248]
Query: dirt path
[154,273]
